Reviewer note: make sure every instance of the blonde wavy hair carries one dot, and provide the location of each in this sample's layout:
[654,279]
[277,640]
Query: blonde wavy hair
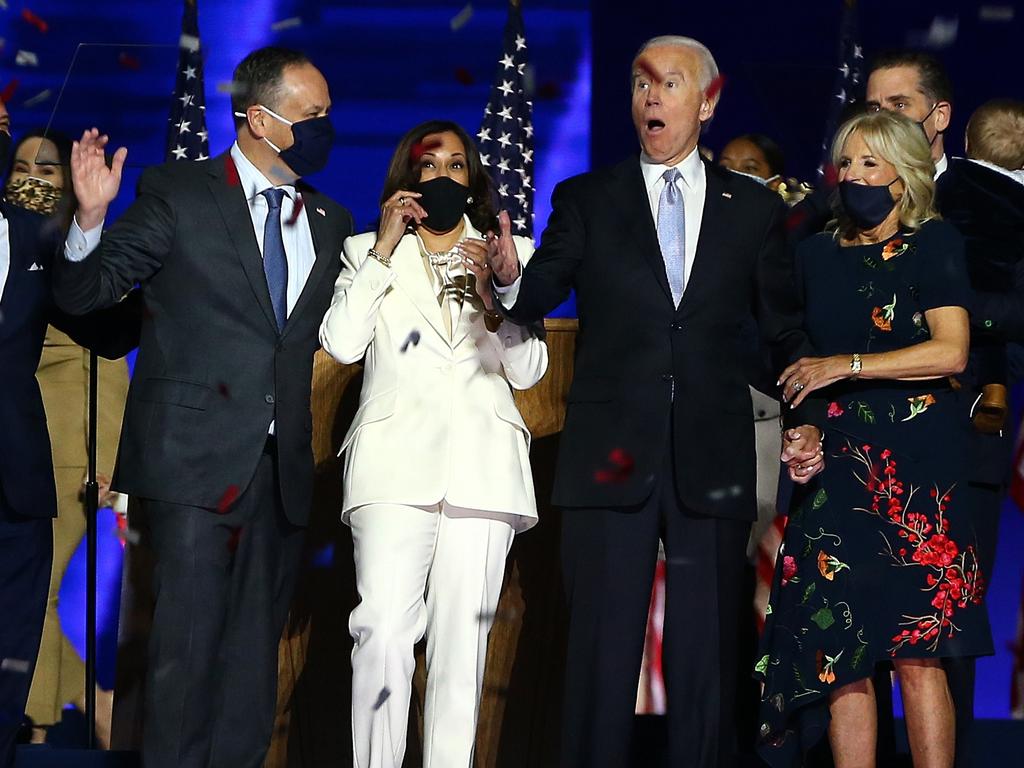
[900,141]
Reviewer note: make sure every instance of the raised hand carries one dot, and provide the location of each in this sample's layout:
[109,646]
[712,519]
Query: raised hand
[501,256]
[96,185]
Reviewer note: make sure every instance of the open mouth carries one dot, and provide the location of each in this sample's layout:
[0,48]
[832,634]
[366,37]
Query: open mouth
[653,126]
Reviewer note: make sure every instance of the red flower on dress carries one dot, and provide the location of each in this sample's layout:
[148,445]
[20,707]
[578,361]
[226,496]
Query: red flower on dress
[835,410]
[788,569]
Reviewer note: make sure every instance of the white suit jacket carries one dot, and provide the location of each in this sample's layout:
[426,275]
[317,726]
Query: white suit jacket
[436,418]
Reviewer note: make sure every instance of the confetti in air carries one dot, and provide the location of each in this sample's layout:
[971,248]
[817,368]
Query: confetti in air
[460,19]
[229,498]
[39,98]
[412,339]
[21,666]
[33,19]
[623,465]
[26,59]
[385,694]
[296,210]
[289,23]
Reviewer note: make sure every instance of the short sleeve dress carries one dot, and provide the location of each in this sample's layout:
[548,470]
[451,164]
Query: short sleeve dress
[879,559]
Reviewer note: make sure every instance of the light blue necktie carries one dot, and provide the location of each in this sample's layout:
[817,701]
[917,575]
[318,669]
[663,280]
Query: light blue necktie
[275,264]
[672,233]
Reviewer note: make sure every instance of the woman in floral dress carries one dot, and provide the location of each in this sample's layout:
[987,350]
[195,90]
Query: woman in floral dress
[879,562]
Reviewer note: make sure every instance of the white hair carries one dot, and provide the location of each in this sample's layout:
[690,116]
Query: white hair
[709,69]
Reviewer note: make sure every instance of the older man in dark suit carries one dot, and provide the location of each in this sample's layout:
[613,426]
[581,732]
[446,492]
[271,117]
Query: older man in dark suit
[28,499]
[237,260]
[667,255]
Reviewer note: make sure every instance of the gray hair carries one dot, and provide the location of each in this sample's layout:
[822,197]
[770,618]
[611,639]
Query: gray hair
[709,69]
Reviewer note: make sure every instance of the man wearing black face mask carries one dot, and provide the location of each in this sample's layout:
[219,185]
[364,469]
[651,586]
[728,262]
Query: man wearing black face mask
[238,259]
[28,501]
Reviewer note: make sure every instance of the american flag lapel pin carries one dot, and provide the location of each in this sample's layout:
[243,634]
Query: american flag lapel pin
[322,212]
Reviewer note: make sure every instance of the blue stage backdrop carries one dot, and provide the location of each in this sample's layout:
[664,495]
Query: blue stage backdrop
[394,63]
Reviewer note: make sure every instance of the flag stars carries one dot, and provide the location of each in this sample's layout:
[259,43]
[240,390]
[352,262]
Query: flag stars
[203,134]
[505,113]
[189,73]
[485,159]
[520,42]
[503,165]
[503,190]
[484,135]
[528,130]
[180,153]
[520,223]
[504,140]
[506,87]
[183,126]
[186,99]
[527,155]
[507,61]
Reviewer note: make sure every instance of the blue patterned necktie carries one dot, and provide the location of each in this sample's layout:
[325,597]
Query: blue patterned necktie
[672,233]
[275,265]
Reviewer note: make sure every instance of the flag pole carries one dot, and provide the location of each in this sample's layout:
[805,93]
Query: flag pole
[92,497]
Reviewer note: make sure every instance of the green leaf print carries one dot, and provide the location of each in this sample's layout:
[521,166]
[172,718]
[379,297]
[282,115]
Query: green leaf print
[864,412]
[858,656]
[819,499]
[824,618]
[762,664]
[808,592]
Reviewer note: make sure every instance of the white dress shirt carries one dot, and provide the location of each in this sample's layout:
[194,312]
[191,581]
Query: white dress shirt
[940,166]
[692,185]
[5,253]
[297,238]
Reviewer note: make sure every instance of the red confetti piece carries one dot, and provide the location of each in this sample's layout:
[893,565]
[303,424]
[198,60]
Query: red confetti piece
[831,176]
[296,210]
[231,173]
[8,92]
[795,218]
[548,91]
[236,534]
[127,61]
[229,497]
[715,88]
[623,467]
[464,76]
[419,149]
[34,20]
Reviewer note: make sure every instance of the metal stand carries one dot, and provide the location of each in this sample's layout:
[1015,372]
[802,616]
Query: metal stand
[92,498]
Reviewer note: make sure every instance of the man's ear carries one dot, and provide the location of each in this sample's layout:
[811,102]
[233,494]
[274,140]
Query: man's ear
[943,115]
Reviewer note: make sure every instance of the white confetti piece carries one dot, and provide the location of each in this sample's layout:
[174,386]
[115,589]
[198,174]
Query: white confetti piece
[39,98]
[288,23]
[15,665]
[230,87]
[189,42]
[996,13]
[26,59]
[460,19]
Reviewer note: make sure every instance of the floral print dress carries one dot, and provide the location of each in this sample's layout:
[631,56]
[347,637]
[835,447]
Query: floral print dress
[879,560]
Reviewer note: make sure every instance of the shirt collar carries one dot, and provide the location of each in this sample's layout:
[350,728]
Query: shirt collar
[691,168]
[1017,175]
[251,178]
[941,165]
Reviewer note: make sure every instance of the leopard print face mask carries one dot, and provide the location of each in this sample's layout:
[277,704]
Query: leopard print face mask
[33,193]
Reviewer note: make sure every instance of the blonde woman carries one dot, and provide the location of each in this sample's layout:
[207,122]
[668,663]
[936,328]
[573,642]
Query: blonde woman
[437,472]
[879,562]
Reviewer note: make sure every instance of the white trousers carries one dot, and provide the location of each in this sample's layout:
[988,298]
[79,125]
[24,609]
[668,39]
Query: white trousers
[436,571]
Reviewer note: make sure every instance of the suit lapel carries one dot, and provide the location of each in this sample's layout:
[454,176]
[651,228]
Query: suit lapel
[631,191]
[234,209]
[324,247]
[713,221]
[412,279]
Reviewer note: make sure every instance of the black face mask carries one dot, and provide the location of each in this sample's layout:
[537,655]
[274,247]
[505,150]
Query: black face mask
[5,148]
[311,148]
[921,123]
[866,205]
[444,200]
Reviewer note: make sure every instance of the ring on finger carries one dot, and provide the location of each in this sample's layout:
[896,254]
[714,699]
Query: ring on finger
[401,201]
[797,386]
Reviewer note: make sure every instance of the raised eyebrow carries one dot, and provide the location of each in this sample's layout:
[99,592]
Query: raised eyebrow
[897,97]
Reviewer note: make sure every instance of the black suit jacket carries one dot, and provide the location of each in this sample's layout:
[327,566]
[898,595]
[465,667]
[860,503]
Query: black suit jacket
[212,370]
[635,349]
[26,464]
[988,210]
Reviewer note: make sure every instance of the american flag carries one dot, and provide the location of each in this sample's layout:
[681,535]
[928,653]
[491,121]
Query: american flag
[506,133]
[186,131]
[849,80]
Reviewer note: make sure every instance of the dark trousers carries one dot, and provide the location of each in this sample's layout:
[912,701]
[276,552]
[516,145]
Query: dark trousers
[26,554]
[223,584]
[609,559]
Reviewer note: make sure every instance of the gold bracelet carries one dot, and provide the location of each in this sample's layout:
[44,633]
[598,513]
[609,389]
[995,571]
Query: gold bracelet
[855,365]
[385,260]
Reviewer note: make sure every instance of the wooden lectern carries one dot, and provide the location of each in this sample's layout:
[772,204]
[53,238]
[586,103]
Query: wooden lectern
[522,698]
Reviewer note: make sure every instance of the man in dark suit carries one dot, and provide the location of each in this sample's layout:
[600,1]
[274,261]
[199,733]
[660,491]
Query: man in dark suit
[667,255]
[28,500]
[237,261]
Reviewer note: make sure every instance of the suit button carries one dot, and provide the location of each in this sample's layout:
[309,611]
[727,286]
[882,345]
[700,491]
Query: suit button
[667,377]
[761,413]
[269,399]
[677,326]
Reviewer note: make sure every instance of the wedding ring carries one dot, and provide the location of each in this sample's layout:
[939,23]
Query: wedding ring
[401,201]
[797,386]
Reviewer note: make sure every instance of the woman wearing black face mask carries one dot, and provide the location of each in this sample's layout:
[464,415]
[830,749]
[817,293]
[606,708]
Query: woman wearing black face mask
[879,564]
[437,474]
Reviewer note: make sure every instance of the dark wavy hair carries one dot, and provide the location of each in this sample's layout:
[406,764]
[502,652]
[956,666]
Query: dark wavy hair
[404,172]
[68,202]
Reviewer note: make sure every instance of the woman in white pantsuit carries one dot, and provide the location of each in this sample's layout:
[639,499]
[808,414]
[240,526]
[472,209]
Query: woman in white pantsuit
[437,473]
